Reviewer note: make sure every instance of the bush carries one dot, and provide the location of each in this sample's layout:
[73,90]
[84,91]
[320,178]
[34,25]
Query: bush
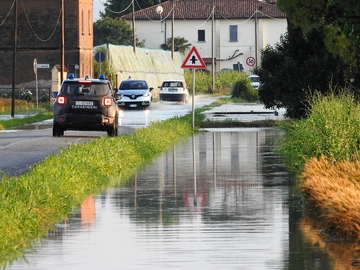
[27,96]
[224,81]
[244,90]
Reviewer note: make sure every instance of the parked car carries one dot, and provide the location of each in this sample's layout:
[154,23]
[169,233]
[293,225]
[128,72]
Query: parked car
[85,104]
[134,93]
[174,90]
[54,95]
[255,81]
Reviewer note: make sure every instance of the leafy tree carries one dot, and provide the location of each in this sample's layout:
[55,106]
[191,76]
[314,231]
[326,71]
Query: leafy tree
[297,65]
[118,8]
[180,45]
[114,31]
[338,20]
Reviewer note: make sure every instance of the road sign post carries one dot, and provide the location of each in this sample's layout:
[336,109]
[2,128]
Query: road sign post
[194,61]
[36,66]
[36,83]
[100,57]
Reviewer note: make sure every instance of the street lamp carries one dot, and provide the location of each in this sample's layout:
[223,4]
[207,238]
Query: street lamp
[159,10]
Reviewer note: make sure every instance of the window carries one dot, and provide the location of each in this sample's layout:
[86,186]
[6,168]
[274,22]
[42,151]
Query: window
[201,35]
[89,22]
[233,33]
[82,22]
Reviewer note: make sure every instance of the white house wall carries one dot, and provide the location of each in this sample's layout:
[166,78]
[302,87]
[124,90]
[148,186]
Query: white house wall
[269,32]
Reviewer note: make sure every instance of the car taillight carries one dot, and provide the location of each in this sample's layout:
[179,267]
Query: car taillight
[183,85]
[107,101]
[61,100]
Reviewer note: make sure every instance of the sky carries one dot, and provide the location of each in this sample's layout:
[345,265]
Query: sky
[97,7]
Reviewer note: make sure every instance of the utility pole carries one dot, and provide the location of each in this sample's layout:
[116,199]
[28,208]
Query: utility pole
[256,35]
[133,25]
[256,38]
[14,60]
[172,30]
[62,41]
[213,48]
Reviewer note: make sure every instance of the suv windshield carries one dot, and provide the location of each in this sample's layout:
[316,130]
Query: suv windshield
[255,78]
[88,89]
[130,85]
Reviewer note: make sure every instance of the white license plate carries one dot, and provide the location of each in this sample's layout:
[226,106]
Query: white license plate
[133,105]
[84,103]
[173,90]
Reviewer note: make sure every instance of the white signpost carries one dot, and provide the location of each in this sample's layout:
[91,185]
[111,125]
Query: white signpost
[36,66]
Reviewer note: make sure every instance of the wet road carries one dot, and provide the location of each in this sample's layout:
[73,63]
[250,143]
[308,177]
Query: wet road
[20,148]
[220,200]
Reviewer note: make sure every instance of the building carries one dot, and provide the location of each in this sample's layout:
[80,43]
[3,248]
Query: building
[39,36]
[228,34]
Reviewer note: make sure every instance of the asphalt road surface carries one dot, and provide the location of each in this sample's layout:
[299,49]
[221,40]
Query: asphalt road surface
[21,148]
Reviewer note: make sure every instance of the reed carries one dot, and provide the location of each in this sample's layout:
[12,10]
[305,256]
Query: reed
[5,105]
[332,192]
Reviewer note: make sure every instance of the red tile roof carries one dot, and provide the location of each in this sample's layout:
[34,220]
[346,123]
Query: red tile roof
[201,9]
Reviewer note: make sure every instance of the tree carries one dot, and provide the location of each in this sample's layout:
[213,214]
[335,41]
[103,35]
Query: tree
[338,20]
[118,8]
[114,31]
[180,45]
[295,67]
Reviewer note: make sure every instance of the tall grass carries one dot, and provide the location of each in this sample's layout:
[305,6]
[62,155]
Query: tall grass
[5,105]
[32,203]
[331,130]
[332,195]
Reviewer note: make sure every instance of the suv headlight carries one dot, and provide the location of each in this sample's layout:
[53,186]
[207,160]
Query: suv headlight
[146,94]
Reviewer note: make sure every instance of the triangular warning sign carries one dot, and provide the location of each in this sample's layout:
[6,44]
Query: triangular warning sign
[193,60]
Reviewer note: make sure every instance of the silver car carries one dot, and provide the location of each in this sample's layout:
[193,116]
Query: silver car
[134,94]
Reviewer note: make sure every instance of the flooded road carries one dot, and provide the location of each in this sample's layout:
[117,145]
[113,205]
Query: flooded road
[235,207]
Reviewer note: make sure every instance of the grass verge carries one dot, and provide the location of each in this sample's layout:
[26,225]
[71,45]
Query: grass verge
[17,122]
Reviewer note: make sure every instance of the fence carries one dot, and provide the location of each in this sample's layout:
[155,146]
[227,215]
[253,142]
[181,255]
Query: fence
[44,94]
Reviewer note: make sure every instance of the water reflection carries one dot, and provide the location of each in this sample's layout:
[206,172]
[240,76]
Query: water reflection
[231,210]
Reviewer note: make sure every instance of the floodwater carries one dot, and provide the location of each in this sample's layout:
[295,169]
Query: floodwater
[219,200]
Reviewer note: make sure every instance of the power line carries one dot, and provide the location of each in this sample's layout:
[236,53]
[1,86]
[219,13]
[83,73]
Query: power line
[7,15]
[32,29]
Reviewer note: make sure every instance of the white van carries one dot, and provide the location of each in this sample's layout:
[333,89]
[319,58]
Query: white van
[255,81]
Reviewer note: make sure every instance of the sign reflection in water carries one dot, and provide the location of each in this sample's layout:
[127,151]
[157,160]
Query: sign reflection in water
[227,211]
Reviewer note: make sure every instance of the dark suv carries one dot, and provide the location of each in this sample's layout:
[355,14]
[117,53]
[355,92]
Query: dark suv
[85,104]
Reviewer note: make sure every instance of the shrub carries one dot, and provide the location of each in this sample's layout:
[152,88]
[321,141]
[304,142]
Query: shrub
[243,89]
[27,96]
[224,81]
[331,130]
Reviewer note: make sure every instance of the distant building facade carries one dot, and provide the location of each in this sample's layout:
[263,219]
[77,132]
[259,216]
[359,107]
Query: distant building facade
[39,37]
[229,33]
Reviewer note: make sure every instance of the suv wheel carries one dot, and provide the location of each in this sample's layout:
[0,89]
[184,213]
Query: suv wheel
[113,131]
[57,131]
